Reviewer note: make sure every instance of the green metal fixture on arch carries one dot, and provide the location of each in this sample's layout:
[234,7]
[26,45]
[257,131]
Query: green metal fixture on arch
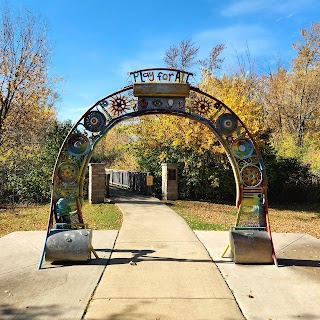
[165,91]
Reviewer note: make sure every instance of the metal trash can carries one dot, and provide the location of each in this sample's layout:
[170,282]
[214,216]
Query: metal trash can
[69,245]
[250,246]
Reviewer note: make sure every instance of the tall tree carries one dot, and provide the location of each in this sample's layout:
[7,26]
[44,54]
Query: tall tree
[239,93]
[214,60]
[26,91]
[306,82]
[184,56]
[181,56]
[26,171]
[292,97]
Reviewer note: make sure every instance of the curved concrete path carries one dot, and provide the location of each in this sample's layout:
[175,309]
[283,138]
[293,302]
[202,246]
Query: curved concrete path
[159,270]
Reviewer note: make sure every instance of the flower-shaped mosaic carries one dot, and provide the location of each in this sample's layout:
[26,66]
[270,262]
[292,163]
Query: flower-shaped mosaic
[202,106]
[119,104]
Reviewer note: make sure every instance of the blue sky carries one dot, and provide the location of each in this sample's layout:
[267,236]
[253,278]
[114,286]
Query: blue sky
[97,42]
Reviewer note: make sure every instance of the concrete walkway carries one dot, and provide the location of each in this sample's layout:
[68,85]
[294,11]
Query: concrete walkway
[159,270]
[59,292]
[265,292]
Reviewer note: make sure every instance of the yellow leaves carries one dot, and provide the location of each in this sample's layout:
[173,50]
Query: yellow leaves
[26,90]
[177,142]
[162,156]
[167,136]
[199,164]
[238,93]
[113,149]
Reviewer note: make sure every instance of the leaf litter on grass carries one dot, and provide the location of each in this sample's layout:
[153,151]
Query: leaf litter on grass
[35,217]
[283,220]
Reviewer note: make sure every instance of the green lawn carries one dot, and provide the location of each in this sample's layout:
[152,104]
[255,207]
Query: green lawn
[199,215]
[212,216]
[98,216]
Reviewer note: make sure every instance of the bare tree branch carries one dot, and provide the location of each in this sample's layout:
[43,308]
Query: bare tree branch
[25,88]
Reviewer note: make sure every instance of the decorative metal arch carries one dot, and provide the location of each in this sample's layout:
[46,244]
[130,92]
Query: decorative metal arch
[160,91]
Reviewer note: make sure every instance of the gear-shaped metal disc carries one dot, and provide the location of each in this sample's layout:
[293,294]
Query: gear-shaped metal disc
[251,176]
[78,145]
[94,121]
[68,171]
[227,123]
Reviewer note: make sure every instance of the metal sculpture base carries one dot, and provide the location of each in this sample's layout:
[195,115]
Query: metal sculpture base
[69,245]
[250,246]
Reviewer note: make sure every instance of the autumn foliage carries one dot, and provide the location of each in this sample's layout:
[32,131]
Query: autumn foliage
[280,108]
[27,114]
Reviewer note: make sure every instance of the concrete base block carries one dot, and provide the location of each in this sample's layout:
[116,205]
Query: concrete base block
[250,246]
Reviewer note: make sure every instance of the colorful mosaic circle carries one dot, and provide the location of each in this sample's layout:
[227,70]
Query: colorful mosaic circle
[68,171]
[227,123]
[251,176]
[242,148]
[203,106]
[119,104]
[78,145]
[94,121]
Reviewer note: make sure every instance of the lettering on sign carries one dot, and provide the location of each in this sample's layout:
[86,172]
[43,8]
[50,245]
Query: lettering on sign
[162,76]
[149,181]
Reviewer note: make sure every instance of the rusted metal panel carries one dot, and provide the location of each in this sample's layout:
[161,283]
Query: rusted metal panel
[161,103]
[161,89]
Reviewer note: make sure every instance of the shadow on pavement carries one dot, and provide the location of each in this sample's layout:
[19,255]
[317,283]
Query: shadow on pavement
[298,263]
[7,312]
[137,256]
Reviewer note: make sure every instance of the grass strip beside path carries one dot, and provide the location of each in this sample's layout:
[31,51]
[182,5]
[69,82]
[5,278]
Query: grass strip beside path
[212,216]
[199,215]
[104,216]
[204,215]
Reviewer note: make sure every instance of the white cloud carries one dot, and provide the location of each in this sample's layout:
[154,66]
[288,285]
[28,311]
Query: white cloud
[236,38]
[271,7]
[244,7]
[285,17]
[72,113]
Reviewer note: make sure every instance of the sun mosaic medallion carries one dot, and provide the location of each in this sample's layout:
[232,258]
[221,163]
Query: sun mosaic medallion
[119,104]
[68,171]
[202,106]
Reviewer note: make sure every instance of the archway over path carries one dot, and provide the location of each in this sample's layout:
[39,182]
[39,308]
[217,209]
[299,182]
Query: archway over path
[160,91]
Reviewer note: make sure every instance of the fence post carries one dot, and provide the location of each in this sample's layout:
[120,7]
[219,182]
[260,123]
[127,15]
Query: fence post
[107,185]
